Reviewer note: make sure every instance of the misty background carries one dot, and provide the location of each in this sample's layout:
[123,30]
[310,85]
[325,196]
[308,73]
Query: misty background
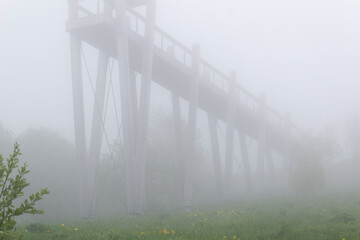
[305,55]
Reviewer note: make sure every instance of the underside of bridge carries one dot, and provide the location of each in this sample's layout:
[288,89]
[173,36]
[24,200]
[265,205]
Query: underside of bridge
[119,32]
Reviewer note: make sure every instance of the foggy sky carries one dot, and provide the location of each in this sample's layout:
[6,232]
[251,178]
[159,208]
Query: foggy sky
[304,54]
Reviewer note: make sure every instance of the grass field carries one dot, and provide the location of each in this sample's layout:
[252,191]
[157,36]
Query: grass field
[323,218]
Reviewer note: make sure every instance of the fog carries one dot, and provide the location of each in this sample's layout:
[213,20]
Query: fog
[303,54]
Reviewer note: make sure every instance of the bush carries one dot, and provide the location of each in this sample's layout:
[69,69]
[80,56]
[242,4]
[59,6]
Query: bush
[51,157]
[12,185]
[308,175]
[37,228]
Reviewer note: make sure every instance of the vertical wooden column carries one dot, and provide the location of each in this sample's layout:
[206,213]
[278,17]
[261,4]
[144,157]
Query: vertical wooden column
[79,118]
[287,144]
[269,160]
[229,151]
[127,110]
[144,107]
[270,164]
[134,94]
[97,127]
[180,135]
[178,127]
[191,135]
[245,160]
[261,139]
[216,156]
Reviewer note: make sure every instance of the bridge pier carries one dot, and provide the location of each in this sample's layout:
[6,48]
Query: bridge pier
[97,128]
[270,163]
[286,144]
[216,156]
[229,148]
[245,160]
[79,122]
[261,140]
[135,118]
[79,116]
[191,132]
[127,111]
[178,128]
[144,105]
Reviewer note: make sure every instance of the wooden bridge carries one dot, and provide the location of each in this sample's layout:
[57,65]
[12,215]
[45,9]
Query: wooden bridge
[120,32]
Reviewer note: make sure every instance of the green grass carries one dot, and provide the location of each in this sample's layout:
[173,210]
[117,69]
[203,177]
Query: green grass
[326,218]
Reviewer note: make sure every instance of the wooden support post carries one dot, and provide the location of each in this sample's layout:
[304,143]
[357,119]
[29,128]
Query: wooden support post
[270,164]
[175,100]
[179,131]
[178,128]
[97,128]
[216,156]
[286,144]
[269,160]
[134,94]
[144,107]
[261,139]
[229,153]
[79,122]
[191,135]
[127,110]
[245,160]
[79,118]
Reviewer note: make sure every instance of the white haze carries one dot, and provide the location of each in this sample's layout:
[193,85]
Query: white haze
[304,54]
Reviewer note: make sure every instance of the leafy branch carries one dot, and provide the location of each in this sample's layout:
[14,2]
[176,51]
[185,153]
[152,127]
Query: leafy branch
[12,185]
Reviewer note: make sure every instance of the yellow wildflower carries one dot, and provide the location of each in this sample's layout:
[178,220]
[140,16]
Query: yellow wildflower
[75,229]
[62,225]
[165,231]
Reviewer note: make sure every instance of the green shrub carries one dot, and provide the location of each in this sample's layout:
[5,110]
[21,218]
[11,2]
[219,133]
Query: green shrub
[307,176]
[37,228]
[12,185]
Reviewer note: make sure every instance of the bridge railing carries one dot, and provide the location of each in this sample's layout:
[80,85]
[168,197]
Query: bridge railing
[162,40]
[214,76]
[246,99]
[136,22]
[183,55]
[275,118]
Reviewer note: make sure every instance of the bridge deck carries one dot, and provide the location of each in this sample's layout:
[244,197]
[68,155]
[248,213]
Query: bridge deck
[173,72]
